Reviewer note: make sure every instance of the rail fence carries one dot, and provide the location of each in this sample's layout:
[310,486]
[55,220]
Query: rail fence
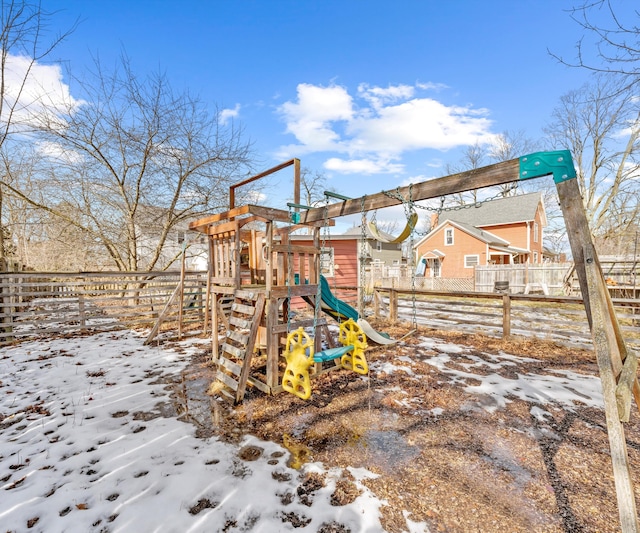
[41,304]
[558,319]
[36,304]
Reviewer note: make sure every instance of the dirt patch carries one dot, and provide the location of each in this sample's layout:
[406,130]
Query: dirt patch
[450,456]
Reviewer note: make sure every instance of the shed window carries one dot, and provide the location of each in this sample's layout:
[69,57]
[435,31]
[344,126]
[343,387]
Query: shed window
[326,262]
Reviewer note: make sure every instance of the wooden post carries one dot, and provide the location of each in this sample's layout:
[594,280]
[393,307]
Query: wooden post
[81,311]
[376,304]
[181,295]
[393,306]
[608,342]
[579,234]
[214,327]
[605,344]
[273,342]
[207,301]
[506,316]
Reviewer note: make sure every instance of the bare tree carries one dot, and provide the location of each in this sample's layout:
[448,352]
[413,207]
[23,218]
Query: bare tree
[600,124]
[24,43]
[611,42]
[505,146]
[313,183]
[134,162]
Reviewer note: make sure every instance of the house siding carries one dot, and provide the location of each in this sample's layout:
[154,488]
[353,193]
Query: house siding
[518,234]
[452,264]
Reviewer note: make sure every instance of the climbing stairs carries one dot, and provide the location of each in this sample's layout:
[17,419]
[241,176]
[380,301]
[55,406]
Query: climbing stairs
[234,359]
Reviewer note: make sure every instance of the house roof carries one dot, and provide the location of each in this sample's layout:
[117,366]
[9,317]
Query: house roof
[484,236]
[495,243]
[508,210]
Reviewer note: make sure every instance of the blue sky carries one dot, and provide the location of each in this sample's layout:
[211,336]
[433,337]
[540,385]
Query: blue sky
[374,94]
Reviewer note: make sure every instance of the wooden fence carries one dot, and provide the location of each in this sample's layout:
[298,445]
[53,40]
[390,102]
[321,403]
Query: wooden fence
[559,319]
[35,304]
[552,275]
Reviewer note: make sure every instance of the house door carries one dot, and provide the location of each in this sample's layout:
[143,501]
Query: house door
[435,267]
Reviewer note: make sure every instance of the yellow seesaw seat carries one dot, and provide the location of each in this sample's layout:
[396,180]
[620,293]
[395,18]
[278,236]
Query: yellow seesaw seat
[299,355]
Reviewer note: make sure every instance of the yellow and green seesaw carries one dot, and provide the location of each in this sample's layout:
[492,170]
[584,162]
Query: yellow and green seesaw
[300,356]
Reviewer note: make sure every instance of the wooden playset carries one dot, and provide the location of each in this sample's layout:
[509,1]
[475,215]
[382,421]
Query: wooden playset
[253,261]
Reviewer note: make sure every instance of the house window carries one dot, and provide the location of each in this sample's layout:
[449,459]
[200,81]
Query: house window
[448,237]
[378,246]
[326,262]
[471,261]
[535,232]
[535,258]
[181,236]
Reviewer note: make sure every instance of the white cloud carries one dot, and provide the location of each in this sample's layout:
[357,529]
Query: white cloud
[229,114]
[417,124]
[378,96]
[33,89]
[362,166]
[378,124]
[311,118]
[57,151]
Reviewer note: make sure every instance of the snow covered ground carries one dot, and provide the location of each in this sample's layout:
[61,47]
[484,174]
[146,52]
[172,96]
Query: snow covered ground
[88,442]
[85,446]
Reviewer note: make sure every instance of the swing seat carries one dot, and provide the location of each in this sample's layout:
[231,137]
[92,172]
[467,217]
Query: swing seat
[411,224]
[331,354]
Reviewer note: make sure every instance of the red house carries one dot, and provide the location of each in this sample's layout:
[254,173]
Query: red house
[503,231]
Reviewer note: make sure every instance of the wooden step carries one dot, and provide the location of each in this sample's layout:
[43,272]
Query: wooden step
[234,361]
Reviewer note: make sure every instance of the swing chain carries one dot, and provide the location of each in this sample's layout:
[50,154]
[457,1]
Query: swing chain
[289,270]
[501,194]
[363,254]
[412,264]
[323,240]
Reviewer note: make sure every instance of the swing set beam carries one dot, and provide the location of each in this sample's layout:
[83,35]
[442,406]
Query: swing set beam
[558,163]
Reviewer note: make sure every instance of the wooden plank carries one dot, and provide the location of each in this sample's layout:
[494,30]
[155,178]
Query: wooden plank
[243,309]
[286,328]
[156,328]
[295,249]
[244,294]
[496,174]
[580,235]
[229,365]
[216,313]
[605,344]
[294,291]
[273,349]
[233,350]
[227,380]
[254,382]
[236,336]
[253,332]
[239,322]
[624,389]
[272,170]
[201,223]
